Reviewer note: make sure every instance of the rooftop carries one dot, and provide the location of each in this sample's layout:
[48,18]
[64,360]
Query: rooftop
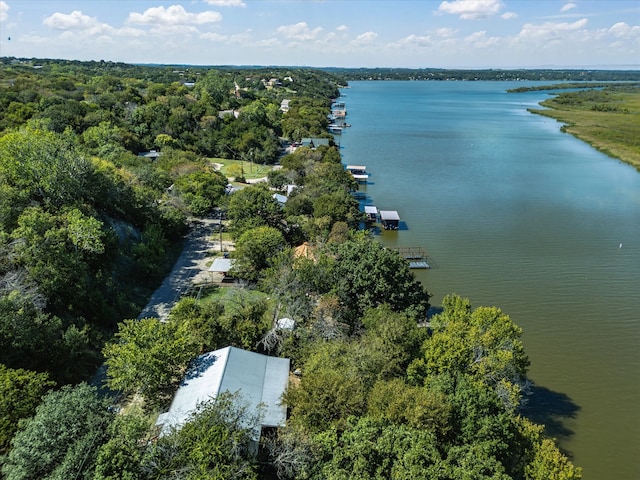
[260,379]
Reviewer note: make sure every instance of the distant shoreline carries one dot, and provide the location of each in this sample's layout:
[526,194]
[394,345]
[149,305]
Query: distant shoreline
[608,119]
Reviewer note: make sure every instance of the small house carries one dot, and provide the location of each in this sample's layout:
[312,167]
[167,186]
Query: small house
[260,380]
[281,199]
[151,155]
[314,143]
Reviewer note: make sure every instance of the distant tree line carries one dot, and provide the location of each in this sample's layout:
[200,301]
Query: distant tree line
[564,75]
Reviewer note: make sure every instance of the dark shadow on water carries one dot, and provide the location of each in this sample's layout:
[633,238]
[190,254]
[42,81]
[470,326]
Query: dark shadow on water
[402,225]
[551,409]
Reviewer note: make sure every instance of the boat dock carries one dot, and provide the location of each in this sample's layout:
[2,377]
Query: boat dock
[359,173]
[371,212]
[416,256]
[390,219]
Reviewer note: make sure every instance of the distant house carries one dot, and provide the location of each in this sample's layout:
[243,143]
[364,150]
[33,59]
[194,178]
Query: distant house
[271,83]
[281,199]
[260,379]
[284,105]
[228,113]
[305,251]
[314,142]
[151,154]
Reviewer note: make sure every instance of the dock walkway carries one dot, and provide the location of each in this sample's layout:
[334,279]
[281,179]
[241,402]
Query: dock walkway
[416,256]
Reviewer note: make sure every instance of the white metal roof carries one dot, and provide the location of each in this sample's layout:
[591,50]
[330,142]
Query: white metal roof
[221,265]
[260,379]
[389,215]
[370,209]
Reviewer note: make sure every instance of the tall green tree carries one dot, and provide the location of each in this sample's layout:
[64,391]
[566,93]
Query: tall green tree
[366,275]
[147,356]
[21,391]
[375,449]
[121,456]
[201,190]
[483,343]
[252,207]
[61,440]
[254,249]
[46,165]
[215,443]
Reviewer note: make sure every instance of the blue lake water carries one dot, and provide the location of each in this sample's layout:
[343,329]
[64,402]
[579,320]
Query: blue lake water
[516,214]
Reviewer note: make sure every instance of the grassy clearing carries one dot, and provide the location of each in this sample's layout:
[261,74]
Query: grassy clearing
[251,170]
[609,119]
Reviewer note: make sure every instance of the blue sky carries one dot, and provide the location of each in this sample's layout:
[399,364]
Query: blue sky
[346,33]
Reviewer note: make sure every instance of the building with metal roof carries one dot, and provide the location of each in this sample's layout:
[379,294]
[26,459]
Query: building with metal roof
[221,265]
[390,219]
[260,379]
[371,212]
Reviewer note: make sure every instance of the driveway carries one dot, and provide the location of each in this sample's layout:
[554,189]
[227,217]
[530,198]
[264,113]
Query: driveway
[189,266]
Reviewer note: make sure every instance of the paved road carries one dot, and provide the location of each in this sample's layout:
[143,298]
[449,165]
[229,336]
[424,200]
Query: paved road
[189,264]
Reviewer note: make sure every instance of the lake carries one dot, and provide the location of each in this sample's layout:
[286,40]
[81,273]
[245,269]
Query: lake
[518,215]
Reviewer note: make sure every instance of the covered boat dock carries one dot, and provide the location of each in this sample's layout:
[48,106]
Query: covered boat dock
[390,219]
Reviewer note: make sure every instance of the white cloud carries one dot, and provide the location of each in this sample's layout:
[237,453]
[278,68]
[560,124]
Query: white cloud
[4,11]
[77,21]
[471,9]
[268,43]
[413,41]
[214,37]
[342,28]
[567,6]
[624,30]
[364,39]
[226,3]
[299,31]
[549,33]
[509,15]
[446,32]
[550,30]
[173,15]
[130,32]
[480,40]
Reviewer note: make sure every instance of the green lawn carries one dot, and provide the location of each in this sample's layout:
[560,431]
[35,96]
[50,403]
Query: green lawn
[251,170]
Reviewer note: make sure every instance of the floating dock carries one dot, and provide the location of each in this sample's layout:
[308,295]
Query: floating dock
[416,256]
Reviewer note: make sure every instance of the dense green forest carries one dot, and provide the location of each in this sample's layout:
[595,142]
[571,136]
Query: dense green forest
[89,227]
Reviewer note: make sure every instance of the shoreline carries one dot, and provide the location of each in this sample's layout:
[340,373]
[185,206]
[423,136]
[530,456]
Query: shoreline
[608,120]
[574,129]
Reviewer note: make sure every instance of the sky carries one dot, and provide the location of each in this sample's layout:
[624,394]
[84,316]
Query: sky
[323,33]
